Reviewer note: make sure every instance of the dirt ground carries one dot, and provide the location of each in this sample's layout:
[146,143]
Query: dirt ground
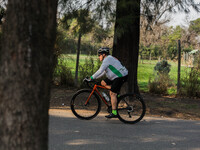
[157,105]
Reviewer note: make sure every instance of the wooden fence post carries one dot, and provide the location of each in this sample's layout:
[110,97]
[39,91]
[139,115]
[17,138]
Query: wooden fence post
[179,67]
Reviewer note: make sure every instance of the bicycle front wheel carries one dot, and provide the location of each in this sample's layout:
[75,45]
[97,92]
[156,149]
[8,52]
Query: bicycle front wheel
[131,108]
[82,110]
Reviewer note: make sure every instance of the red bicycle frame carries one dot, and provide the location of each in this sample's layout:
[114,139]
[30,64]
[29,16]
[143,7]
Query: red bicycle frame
[95,89]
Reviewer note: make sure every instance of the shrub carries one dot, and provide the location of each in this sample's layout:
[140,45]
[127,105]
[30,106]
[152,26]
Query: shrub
[162,67]
[161,81]
[160,84]
[62,74]
[190,84]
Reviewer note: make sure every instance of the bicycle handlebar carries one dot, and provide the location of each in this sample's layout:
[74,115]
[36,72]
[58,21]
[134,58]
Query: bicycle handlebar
[87,81]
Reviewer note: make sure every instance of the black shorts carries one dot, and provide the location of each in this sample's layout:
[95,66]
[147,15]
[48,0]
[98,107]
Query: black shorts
[116,84]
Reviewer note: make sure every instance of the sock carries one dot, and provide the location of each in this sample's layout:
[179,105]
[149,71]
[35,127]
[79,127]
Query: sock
[114,112]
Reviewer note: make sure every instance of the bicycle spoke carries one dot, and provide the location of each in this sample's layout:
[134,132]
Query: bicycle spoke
[131,109]
[83,110]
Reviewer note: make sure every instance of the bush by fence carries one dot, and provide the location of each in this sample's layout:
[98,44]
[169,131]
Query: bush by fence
[190,83]
[160,82]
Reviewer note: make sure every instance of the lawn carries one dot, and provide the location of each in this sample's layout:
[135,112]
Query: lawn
[145,70]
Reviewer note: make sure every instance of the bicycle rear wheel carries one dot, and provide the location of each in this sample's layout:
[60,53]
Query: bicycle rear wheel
[130,108]
[82,110]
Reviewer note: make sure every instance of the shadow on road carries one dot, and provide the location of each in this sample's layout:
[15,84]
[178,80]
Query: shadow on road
[69,133]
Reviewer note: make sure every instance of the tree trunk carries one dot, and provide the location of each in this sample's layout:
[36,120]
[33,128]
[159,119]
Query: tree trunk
[77,59]
[126,38]
[25,73]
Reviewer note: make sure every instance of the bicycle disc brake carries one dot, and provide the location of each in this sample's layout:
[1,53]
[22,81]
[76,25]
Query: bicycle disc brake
[130,109]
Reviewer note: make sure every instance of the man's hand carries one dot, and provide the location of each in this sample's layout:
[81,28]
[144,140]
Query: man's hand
[87,79]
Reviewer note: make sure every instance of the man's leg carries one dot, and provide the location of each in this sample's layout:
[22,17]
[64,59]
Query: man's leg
[113,97]
[115,88]
[114,102]
[103,83]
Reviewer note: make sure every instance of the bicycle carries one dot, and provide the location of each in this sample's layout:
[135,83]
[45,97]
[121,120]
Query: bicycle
[86,104]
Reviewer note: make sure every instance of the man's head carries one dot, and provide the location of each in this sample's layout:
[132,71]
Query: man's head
[103,52]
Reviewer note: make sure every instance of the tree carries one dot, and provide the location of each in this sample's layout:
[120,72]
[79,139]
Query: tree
[126,38]
[25,73]
[83,25]
[154,10]
[195,26]
[151,37]
[155,13]
[175,35]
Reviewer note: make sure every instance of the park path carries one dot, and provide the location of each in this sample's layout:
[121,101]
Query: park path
[66,132]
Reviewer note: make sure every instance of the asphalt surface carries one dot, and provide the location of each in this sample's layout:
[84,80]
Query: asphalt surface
[66,132]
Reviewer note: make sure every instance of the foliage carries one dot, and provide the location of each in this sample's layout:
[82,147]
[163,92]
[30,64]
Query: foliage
[157,51]
[172,51]
[88,68]
[161,81]
[176,33]
[64,42]
[62,74]
[102,11]
[196,62]
[190,83]
[154,51]
[188,49]
[160,84]
[195,26]
[79,21]
[162,67]
[173,37]
[93,37]
[100,33]
[155,10]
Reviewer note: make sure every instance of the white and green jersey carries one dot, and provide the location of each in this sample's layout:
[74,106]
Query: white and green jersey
[112,68]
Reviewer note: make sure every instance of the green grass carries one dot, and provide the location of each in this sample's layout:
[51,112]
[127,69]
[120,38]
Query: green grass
[145,70]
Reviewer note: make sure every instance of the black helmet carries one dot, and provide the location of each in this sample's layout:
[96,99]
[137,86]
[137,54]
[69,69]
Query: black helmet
[103,50]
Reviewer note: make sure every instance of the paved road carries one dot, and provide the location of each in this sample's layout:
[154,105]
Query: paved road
[69,133]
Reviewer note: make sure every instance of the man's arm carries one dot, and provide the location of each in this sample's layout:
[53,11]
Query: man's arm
[101,71]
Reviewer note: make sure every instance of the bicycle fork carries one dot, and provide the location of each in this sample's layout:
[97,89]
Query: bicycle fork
[89,97]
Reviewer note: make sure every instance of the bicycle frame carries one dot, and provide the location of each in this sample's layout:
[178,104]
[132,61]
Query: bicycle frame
[96,90]
[128,111]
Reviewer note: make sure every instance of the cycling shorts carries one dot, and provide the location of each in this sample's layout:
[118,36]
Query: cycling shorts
[116,84]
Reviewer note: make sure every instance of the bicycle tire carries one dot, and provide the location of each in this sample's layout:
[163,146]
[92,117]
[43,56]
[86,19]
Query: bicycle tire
[82,111]
[130,108]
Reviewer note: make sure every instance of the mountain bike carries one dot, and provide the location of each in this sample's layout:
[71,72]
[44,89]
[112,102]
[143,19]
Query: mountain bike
[86,104]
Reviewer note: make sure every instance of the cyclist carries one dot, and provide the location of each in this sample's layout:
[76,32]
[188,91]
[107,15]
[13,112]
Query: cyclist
[116,75]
